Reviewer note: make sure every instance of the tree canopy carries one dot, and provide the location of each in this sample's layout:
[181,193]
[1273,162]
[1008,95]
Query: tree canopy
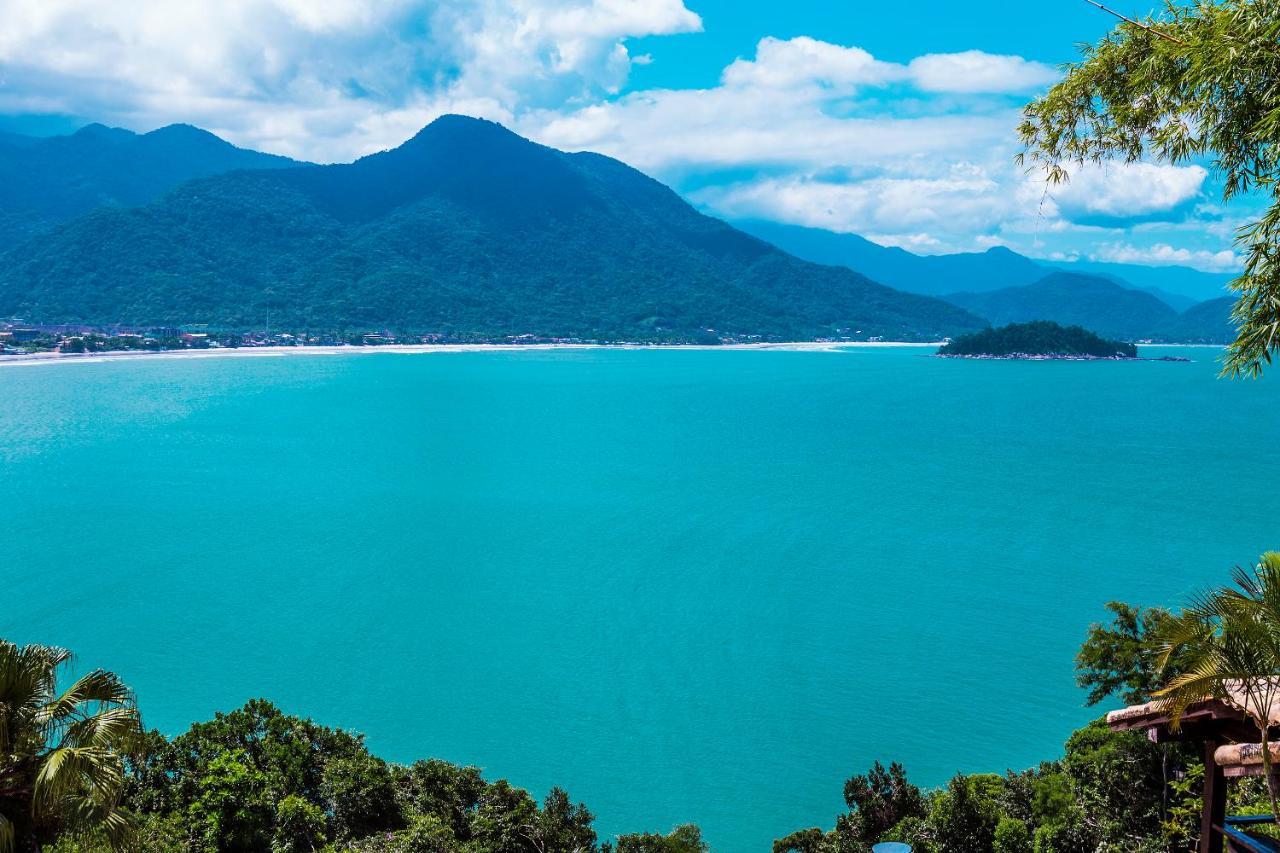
[1197,82]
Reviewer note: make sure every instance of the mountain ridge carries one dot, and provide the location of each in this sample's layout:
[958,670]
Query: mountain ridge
[45,181]
[466,229]
[996,268]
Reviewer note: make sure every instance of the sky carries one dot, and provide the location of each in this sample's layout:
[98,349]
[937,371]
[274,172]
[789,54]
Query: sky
[890,120]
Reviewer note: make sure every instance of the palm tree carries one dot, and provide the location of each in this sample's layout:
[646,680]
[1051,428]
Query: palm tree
[1231,642]
[61,754]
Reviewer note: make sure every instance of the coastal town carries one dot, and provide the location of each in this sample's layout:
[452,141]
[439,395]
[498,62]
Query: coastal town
[24,338]
[18,338]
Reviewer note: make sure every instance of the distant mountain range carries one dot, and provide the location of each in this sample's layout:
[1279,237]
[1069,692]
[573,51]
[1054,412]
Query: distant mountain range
[1103,307]
[974,272]
[466,230]
[47,181]
[1001,286]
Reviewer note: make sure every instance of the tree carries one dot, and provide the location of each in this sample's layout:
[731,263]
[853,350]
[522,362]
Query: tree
[1198,82]
[963,818]
[360,794]
[299,826]
[231,812]
[62,764]
[1120,658]
[1012,836]
[563,826]
[881,799]
[682,839]
[1231,640]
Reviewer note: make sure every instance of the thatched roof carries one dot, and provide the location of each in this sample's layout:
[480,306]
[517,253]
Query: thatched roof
[1236,697]
[1244,759]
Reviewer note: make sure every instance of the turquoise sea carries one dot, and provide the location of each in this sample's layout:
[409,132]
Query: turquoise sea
[686,585]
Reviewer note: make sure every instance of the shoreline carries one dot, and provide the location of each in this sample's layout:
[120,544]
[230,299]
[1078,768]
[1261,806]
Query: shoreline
[416,349]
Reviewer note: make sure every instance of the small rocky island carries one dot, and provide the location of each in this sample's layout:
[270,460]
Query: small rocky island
[1040,339]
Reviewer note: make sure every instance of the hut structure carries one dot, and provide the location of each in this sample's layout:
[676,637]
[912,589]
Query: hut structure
[1229,740]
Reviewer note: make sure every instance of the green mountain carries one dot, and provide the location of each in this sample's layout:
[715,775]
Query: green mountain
[1105,306]
[467,230]
[1040,337]
[1205,323]
[46,181]
[975,272]
[1074,300]
[1180,283]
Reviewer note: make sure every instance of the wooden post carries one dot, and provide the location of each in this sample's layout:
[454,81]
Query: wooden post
[1213,812]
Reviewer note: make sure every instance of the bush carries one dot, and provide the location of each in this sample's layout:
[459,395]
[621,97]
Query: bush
[1012,836]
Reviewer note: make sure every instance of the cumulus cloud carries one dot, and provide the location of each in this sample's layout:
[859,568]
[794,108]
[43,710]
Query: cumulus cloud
[788,63]
[974,71]
[1162,254]
[1127,192]
[327,80]
[903,211]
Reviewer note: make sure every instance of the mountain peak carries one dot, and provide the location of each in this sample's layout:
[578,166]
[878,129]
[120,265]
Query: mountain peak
[98,131]
[184,130]
[452,130]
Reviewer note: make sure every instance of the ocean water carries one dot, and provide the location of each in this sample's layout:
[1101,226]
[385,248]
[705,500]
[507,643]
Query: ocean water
[692,585]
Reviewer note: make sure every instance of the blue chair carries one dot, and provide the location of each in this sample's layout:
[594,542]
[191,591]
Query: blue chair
[1239,841]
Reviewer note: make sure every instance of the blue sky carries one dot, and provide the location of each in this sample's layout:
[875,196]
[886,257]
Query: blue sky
[895,121]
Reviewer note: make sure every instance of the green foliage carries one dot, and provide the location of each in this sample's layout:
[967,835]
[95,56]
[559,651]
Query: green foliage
[1039,337]
[1119,782]
[682,839]
[1120,659]
[803,841]
[963,818]
[1193,83]
[231,811]
[881,799]
[299,826]
[1011,836]
[1053,799]
[256,779]
[360,795]
[62,765]
[466,231]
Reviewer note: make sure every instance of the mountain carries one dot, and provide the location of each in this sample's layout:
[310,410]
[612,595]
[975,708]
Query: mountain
[994,269]
[1105,307]
[934,275]
[467,230]
[46,181]
[1208,322]
[1179,282]
[1099,305]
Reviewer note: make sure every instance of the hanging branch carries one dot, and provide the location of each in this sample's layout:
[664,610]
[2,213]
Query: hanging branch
[1138,24]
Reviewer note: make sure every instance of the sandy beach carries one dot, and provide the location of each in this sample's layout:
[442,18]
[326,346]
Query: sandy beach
[416,349]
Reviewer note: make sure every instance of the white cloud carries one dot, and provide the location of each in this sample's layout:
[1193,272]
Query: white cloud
[805,61]
[974,71]
[327,79]
[1127,191]
[1162,254]
[897,210]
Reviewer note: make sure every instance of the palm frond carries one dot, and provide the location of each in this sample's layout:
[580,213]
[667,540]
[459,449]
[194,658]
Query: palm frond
[96,686]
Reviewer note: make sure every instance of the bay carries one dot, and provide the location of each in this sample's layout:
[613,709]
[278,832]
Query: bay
[686,585]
